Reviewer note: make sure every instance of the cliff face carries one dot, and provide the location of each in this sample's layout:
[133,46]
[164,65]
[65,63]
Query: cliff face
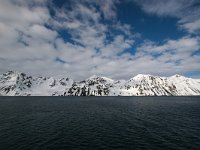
[20,84]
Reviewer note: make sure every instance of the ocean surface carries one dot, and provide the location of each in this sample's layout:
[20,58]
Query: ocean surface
[141,123]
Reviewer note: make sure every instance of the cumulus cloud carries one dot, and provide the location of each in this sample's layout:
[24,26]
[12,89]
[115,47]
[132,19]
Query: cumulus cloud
[30,41]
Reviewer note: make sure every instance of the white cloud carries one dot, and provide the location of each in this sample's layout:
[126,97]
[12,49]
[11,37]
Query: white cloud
[118,45]
[107,7]
[28,45]
[182,45]
[188,12]
[178,54]
[165,7]
[192,27]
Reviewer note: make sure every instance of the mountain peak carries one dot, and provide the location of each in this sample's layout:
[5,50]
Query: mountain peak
[140,76]
[177,76]
[93,77]
[99,77]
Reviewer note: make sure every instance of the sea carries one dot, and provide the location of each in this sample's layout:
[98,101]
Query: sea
[102,123]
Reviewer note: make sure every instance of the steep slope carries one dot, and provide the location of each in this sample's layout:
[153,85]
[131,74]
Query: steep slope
[185,86]
[19,84]
[93,86]
[145,85]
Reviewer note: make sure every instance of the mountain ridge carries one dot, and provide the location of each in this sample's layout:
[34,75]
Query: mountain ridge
[13,83]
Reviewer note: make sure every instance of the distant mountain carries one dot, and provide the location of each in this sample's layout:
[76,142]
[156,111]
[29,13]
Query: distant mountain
[19,84]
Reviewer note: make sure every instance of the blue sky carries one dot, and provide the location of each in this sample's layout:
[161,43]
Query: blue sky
[113,38]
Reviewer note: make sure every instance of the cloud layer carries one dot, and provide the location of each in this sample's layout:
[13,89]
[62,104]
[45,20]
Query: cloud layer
[95,41]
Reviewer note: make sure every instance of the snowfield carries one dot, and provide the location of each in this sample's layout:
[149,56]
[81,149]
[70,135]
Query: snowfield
[19,84]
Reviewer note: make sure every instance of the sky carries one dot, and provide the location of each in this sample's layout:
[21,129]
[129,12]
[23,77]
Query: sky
[114,38]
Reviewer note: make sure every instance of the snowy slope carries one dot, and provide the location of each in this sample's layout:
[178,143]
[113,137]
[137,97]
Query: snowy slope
[19,84]
[14,83]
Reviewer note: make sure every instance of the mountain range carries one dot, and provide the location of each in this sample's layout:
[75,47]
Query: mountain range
[14,83]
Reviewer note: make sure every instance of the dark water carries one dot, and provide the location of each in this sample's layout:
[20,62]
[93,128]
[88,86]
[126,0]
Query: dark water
[151,123]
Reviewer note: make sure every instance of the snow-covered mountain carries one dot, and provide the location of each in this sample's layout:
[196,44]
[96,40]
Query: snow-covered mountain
[19,84]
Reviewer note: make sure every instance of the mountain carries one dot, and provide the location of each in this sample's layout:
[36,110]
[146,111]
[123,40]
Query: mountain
[19,84]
